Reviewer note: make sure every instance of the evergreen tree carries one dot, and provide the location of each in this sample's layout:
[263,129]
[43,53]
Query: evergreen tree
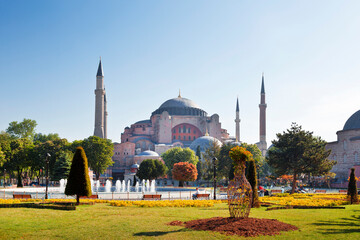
[352,189]
[62,166]
[78,181]
[251,177]
[198,165]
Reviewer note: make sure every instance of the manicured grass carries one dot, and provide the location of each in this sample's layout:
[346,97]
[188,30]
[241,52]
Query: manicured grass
[102,221]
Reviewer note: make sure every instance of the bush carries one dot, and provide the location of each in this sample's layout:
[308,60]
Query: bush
[352,189]
[78,181]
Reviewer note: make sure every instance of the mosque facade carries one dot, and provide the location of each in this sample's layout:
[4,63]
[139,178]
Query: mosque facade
[178,122]
[345,151]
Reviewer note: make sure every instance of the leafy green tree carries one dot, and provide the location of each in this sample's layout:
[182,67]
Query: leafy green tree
[225,162]
[297,151]
[151,169]
[20,149]
[208,165]
[184,171]
[99,152]
[41,138]
[78,182]
[252,178]
[352,189]
[2,157]
[24,129]
[62,166]
[178,154]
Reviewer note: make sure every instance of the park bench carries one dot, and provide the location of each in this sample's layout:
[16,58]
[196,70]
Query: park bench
[202,195]
[151,196]
[21,196]
[276,191]
[343,191]
[320,191]
[91,197]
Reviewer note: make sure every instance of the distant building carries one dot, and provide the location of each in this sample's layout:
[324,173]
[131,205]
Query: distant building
[347,148]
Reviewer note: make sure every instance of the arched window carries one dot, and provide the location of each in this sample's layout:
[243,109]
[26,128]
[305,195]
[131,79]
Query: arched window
[345,145]
[345,158]
[356,157]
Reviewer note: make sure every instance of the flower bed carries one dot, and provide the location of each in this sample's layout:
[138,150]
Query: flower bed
[314,200]
[166,203]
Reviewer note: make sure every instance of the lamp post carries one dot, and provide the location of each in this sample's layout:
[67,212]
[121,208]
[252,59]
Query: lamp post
[4,177]
[47,174]
[214,162]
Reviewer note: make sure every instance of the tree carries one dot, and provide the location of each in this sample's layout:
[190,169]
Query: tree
[20,149]
[41,138]
[151,169]
[352,189]
[24,129]
[62,166]
[178,154]
[99,152]
[184,171]
[208,165]
[252,178]
[297,151]
[199,164]
[225,165]
[78,182]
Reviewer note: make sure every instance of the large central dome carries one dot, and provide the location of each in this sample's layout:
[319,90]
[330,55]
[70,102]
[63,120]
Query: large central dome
[180,106]
[353,122]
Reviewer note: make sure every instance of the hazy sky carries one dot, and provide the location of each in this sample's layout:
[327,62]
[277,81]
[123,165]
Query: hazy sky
[213,51]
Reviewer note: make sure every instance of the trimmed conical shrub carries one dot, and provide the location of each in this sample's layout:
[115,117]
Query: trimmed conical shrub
[251,177]
[352,189]
[78,182]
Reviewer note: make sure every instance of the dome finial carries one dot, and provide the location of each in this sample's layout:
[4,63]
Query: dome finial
[179,93]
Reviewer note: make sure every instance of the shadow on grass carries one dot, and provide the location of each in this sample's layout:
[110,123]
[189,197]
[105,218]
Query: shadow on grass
[341,226]
[158,233]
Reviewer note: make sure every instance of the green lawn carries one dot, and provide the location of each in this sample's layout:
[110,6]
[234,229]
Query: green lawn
[102,221]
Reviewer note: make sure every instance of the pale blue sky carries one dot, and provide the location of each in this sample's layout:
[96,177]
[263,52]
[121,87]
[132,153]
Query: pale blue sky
[213,50]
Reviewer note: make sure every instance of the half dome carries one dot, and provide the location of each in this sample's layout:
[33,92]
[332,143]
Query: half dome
[149,153]
[353,122]
[204,142]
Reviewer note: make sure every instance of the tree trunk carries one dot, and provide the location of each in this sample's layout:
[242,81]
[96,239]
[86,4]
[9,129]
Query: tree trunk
[77,199]
[181,183]
[97,175]
[19,184]
[293,184]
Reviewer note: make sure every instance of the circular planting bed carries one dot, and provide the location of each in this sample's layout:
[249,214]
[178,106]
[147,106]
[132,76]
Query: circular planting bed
[247,227]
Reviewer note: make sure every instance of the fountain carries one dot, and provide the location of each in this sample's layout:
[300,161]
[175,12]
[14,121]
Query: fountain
[128,186]
[147,186]
[117,186]
[91,184]
[152,186]
[62,185]
[108,186]
[97,185]
[137,187]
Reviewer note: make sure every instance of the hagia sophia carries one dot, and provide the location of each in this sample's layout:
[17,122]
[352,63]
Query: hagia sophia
[178,122]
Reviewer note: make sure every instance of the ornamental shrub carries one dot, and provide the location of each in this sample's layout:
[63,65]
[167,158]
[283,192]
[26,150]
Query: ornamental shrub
[184,171]
[251,177]
[78,182]
[352,189]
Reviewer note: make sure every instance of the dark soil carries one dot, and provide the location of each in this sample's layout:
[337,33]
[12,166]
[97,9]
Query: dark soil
[247,227]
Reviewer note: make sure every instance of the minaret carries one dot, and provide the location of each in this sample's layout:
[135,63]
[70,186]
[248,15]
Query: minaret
[237,121]
[262,106]
[99,103]
[105,117]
